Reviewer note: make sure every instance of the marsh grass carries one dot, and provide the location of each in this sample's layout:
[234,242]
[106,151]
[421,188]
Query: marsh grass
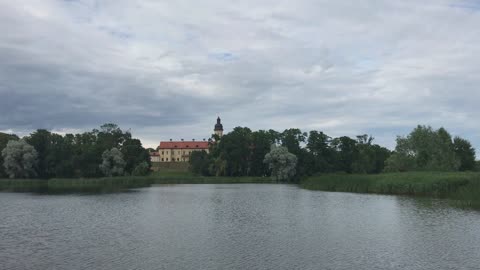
[115,184]
[462,188]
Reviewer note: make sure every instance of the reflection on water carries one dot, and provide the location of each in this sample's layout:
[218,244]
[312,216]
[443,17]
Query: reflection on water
[235,227]
[69,187]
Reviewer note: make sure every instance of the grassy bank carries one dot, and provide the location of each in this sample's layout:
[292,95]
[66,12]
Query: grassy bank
[112,184]
[463,188]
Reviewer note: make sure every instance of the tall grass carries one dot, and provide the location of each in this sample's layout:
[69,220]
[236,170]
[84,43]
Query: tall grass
[463,187]
[113,184]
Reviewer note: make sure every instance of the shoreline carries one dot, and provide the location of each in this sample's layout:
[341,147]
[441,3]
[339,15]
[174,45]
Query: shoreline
[460,187]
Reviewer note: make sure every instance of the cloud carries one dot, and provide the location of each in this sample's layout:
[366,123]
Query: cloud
[166,69]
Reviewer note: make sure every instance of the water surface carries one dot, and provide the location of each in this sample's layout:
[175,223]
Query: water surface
[245,226]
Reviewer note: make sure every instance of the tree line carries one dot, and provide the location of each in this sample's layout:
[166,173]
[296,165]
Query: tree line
[108,151]
[244,152]
[291,154]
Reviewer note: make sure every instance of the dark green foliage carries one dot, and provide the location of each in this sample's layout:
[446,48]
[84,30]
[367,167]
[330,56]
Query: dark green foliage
[80,155]
[235,148]
[242,151]
[370,157]
[293,139]
[323,155]
[465,154]
[261,143]
[425,149]
[141,169]
[199,163]
[134,154]
[54,154]
[346,153]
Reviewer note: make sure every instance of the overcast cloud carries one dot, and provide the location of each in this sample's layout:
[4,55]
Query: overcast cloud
[165,69]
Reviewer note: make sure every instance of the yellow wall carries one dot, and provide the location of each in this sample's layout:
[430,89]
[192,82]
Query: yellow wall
[176,155]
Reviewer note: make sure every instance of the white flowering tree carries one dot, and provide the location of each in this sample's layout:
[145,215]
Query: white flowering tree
[19,159]
[113,163]
[281,162]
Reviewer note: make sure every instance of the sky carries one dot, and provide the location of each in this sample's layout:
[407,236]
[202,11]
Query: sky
[167,69]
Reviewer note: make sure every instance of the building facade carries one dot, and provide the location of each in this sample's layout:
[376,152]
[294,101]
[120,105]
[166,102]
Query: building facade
[180,151]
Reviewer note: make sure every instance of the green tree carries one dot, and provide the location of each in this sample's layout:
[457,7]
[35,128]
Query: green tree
[234,149]
[110,135]
[86,155]
[371,157]
[20,159]
[134,154]
[113,163]
[346,153]
[261,142]
[199,163]
[281,162]
[424,149]
[318,144]
[4,139]
[141,169]
[293,139]
[54,154]
[465,153]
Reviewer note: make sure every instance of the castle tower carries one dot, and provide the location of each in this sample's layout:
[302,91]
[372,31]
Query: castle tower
[218,128]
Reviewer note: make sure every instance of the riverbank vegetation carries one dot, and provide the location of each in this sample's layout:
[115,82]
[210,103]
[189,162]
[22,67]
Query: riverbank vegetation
[114,184]
[426,162]
[242,152]
[107,151]
[461,187]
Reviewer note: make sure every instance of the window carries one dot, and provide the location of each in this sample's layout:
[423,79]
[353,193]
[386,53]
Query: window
[167,158]
[162,152]
[162,158]
[178,159]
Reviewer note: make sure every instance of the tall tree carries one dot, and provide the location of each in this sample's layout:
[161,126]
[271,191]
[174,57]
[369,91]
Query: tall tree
[199,163]
[110,136]
[113,163]
[4,139]
[20,159]
[465,153]
[234,149]
[293,139]
[346,153]
[281,162]
[261,142]
[54,154]
[318,144]
[134,154]
[424,149]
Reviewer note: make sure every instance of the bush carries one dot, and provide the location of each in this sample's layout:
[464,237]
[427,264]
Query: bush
[141,169]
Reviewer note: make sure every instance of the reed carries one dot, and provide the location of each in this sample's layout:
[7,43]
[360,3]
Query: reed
[463,187]
[115,184]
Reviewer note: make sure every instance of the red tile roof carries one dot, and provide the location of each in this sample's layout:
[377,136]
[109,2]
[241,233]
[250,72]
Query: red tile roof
[184,145]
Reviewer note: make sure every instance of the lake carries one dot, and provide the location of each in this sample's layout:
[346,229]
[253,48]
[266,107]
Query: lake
[234,226]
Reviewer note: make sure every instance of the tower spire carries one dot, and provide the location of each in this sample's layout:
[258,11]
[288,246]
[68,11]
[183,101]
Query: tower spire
[218,130]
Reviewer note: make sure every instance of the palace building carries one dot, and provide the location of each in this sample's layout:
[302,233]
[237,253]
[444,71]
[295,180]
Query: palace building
[180,151]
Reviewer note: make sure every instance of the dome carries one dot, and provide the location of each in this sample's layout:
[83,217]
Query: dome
[218,125]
